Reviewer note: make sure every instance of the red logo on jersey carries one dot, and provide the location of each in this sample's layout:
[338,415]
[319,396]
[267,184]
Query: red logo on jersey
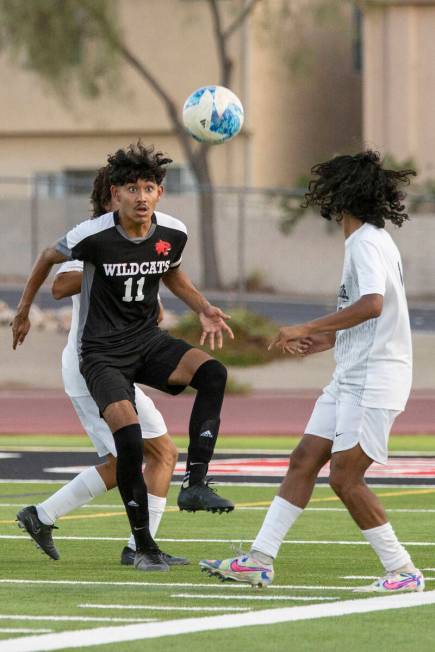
[163,247]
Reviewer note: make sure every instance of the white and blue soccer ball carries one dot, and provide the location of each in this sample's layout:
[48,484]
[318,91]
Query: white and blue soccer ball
[213,114]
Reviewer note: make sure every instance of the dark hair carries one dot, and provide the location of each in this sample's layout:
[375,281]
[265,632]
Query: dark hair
[359,185]
[137,162]
[101,195]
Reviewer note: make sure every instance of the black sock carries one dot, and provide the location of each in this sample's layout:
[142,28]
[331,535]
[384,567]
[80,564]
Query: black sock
[210,380]
[131,484]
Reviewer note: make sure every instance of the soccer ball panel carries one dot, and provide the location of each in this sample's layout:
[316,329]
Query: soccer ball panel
[213,114]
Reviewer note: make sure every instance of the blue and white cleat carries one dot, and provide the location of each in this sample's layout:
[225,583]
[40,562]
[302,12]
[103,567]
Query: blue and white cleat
[395,583]
[239,569]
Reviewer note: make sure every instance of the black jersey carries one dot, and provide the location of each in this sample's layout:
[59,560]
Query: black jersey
[121,275]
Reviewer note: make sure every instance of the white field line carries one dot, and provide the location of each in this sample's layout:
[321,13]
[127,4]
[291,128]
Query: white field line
[35,481]
[375,577]
[205,596]
[154,608]
[23,630]
[104,635]
[79,619]
[313,542]
[173,585]
[247,509]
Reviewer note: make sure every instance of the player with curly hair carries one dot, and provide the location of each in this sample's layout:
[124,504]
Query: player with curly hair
[126,253]
[351,420]
[160,452]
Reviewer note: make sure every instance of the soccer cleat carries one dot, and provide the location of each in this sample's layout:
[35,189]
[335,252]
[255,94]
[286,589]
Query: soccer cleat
[28,520]
[127,558]
[201,496]
[395,583]
[239,569]
[151,560]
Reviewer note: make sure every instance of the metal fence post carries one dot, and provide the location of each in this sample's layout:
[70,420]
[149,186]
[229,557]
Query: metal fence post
[34,221]
[241,237]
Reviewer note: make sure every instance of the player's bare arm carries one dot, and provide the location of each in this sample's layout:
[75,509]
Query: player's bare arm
[213,319]
[67,284]
[41,269]
[367,307]
[316,344]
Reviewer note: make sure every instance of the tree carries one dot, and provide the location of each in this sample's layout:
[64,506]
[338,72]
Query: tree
[80,41]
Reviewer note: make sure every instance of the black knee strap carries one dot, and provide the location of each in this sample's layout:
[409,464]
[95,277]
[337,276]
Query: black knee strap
[211,374]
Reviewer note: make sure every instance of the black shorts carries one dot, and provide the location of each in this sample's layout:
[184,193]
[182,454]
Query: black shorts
[110,374]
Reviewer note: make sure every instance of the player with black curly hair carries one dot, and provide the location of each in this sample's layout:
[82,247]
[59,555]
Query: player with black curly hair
[101,196]
[125,255]
[371,334]
[160,453]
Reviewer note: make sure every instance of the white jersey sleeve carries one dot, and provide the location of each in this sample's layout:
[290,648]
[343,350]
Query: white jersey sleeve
[370,268]
[70,266]
[79,242]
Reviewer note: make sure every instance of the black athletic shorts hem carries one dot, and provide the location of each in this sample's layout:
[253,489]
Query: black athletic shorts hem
[110,375]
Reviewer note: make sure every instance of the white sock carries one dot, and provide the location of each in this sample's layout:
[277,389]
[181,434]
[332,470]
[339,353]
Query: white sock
[388,548]
[156,507]
[279,518]
[82,489]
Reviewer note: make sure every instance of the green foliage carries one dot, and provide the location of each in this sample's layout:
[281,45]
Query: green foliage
[62,41]
[291,211]
[421,197]
[252,334]
[392,163]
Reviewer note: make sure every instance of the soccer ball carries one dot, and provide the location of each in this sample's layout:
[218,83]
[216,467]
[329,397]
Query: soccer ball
[213,114]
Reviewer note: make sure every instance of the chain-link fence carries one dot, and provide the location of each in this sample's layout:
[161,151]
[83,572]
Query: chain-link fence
[263,241]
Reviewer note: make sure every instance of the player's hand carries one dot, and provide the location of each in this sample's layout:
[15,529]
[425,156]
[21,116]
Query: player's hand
[213,321]
[317,343]
[287,339]
[20,327]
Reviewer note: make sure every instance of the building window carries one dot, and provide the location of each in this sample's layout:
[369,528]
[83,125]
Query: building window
[178,179]
[357,44]
[55,185]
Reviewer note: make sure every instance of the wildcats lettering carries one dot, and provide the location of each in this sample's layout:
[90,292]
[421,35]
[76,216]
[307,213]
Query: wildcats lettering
[133,269]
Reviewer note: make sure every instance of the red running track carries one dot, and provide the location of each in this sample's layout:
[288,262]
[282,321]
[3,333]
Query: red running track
[261,413]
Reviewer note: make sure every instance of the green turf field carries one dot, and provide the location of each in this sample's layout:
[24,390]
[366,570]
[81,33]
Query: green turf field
[398,443]
[317,572]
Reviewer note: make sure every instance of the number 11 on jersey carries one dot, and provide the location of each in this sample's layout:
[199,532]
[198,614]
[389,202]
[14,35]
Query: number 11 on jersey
[128,296]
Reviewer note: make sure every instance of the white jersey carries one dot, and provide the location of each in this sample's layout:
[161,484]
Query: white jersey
[374,359]
[74,382]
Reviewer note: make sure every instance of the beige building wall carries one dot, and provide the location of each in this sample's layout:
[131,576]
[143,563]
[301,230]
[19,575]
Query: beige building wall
[312,111]
[399,80]
[292,120]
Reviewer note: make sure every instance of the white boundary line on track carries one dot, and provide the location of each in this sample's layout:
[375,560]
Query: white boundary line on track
[103,635]
[321,485]
[161,608]
[313,542]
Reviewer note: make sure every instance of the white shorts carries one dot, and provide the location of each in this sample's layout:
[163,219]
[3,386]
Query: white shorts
[347,425]
[151,421]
